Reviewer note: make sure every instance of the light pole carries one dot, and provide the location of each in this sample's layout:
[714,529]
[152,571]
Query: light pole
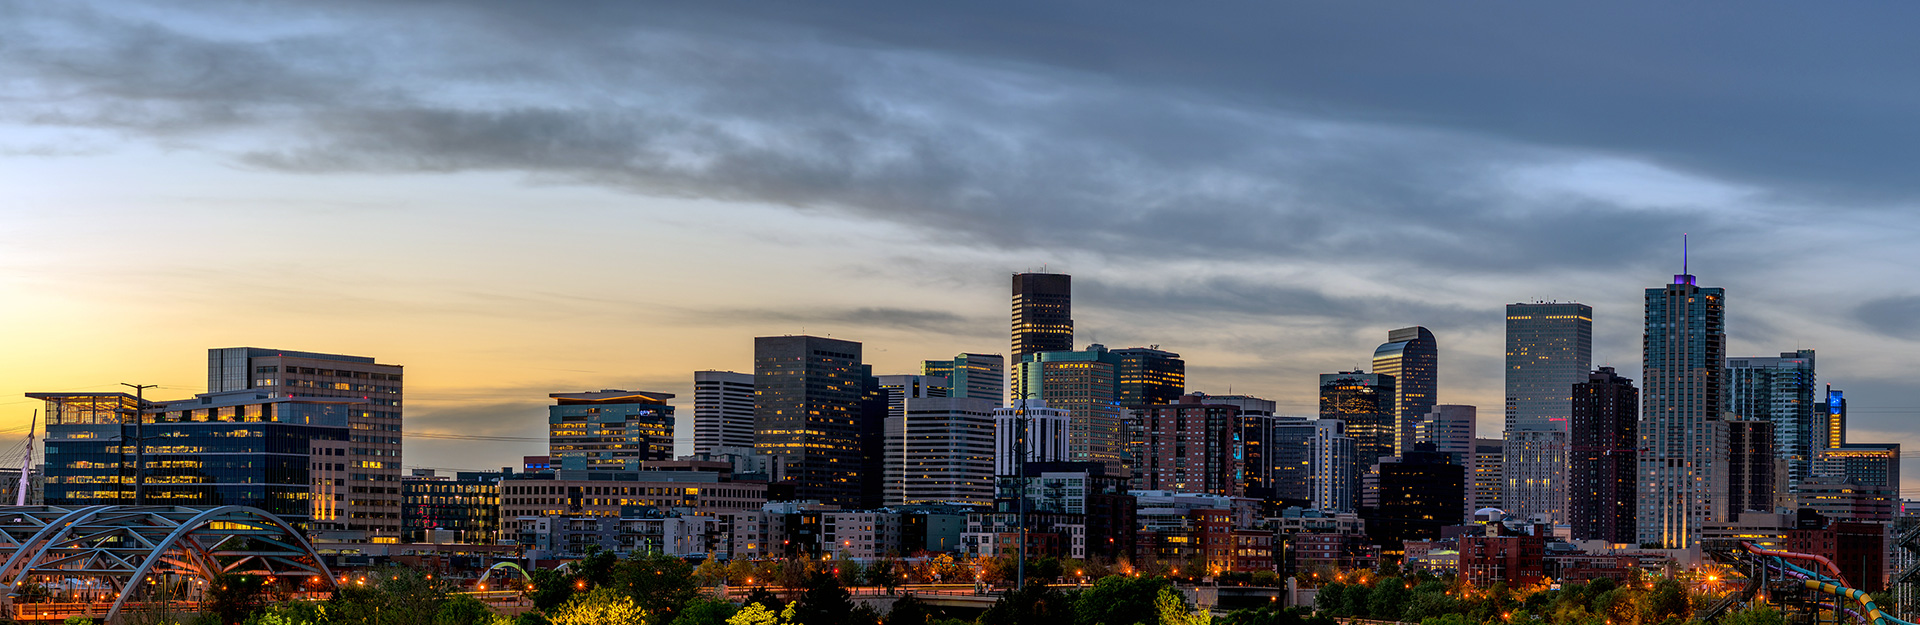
[1020,486]
[139,442]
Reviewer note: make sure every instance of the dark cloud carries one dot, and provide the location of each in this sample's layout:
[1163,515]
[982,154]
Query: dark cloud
[1898,316]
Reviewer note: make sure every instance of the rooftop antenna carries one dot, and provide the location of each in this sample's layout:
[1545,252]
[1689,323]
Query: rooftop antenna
[1683,253]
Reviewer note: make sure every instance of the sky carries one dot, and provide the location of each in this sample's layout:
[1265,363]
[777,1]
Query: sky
[512,199]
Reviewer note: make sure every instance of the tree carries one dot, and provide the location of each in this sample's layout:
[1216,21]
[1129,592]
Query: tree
[885,573]
[705,611]
[1331,599]
[233,597]
[766,598]
[910,610]
[710,572]
[660,584]
[1667,599]
[1388,601]
[849,572]
[463,610]
[759,614]
[1034,605]
[600,606]
[388,596]
[823,603]
[1119,599]
[1755,615]
[1174,610]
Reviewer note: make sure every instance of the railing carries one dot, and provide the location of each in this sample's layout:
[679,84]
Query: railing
[64,610]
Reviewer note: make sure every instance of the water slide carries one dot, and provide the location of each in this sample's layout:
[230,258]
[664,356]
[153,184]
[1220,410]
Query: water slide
[1828,581]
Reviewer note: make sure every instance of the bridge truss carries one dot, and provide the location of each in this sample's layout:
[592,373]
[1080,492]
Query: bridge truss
[99,558]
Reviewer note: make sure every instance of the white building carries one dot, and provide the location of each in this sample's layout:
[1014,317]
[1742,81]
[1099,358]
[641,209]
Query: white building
[1046,435]
[722,410]
[940,450]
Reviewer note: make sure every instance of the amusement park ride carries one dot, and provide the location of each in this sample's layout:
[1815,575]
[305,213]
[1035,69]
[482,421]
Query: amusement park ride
[1809,589]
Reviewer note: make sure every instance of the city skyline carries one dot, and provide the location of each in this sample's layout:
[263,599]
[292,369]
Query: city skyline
[497,278]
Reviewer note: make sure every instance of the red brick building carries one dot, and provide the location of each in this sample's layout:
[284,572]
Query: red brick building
[1517,560]
[1187,447]
[1857,548]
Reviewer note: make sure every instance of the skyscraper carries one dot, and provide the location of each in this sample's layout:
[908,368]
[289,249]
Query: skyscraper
[1780,391]
[1549,350]
[1450,429]
[808,416]
[1750,459]
[609,430]
[897,389]
[1087,385]
[1332,471]
[1412,357]
[1290,454]
[1149,376]
[1042,313]
[1685,367]
[1254,444]
[1602,471]
[976,376]
[374,498]
[1364,403]
[722,410]
[1832,417]
[1489,478]
[1045,432]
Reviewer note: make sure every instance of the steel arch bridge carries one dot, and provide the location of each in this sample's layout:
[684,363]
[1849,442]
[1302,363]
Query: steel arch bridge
[124,551]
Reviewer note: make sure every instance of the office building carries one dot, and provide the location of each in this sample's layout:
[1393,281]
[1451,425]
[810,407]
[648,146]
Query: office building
[1874,466]
[722,410]
[1073,510]
[809,417]
[1254,443]
[1149,376]
[1087,385]
[1045,435]
[1780,391]
[1832,419]
[605,494]
[1750,460]
[1190,446]
[1364,403]
[1488,488]
[609,430]
[1602,472]
[463,509]
[941,450]
[374,414]
[897,389]
[1289,458]
[1549,350]
[246,447]
[1412,358]
[1332,475]
[1450,428]
[1421,491]
[1682,401]
[975,376]
[1042,313]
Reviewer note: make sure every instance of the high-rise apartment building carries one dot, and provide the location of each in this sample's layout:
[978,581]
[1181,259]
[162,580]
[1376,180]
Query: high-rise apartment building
[1412,357]
[1045,435]
[1685,368]
[1602,471]
[1549,350]
[1191,446]
[808,415]
[722,411]
[1331,473]
[897,389]
[1254,443]
[940,450]
[1042,313]
[1149,376]
[374,391]
[976,376]
[609,430]
[1779,391]
[1750,458]
[1450,428]
[1087,385]
[1488,477]
[1364,403]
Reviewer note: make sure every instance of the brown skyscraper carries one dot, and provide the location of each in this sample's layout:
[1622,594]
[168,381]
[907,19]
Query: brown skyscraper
[1042,313]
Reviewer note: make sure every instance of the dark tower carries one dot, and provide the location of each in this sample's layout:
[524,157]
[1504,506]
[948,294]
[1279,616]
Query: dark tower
[1412,357]
[1364,402]
[1603,462]
[1042,313]
[811,410]
[1150,377]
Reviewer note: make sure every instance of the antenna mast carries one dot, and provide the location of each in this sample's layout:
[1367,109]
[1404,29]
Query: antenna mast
[26,465]
[1683,253]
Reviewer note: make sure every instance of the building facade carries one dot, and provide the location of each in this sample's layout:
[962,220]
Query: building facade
[1780,391]
[1684,364]
[722,410]
[1602,473]
[1149,376]
[374,392]
[1364,402]
[973,376]
[1549,350]
[1450,429]
[464,509]
[1086,384]
[810,418]
[941,450]
[1751,485]
[1489,476]
[1190,446]
[1043,437]
[1042,314]
[609,430]
[1331,475]
[1412,358]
